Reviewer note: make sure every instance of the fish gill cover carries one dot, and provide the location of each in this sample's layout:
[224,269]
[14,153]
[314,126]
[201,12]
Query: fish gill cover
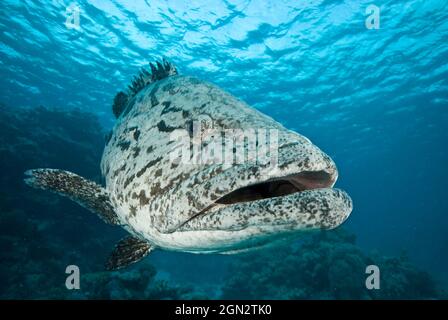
[375,99]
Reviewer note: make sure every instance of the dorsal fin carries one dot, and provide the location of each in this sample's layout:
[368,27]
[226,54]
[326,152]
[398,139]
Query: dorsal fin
[159,71]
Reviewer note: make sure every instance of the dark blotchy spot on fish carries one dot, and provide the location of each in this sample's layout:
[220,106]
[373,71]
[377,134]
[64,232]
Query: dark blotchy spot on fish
[189,128]
[158,173]
[154,101]
[130,129]
[115,173]
[190,198]
[148,165]
[155,190]
[171,88]
[169,108]
[164,128]
[167,87]
[254,170]
[136,134]
[136,151]
[129,180]
[124,145]
[132,211]
[142,198]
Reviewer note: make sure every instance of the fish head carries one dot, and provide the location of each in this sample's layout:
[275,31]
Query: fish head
[193,168]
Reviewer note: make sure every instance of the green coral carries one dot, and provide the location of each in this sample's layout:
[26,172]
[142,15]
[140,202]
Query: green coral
[138,282]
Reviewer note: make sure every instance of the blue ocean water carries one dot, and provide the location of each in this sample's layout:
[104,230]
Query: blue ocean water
[375,100]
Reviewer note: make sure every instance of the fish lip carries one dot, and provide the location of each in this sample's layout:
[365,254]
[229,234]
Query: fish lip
[313,180]
[335,207]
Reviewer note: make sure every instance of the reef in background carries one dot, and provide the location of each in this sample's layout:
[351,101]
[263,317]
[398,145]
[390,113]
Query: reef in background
[328,265]
[42,233]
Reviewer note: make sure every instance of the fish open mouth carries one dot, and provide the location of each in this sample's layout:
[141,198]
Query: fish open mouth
[301,201]
[278,187]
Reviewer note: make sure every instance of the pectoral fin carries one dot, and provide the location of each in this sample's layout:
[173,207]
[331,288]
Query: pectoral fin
[87,193]
[127,251]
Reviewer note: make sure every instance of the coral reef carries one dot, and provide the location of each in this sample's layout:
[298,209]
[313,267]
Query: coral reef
[41,233]
[329,265]
[137,282]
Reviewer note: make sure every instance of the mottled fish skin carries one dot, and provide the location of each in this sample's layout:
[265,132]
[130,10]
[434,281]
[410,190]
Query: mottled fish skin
[161,201]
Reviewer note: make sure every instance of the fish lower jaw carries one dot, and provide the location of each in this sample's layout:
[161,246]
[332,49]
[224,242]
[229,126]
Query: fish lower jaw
[322,208]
